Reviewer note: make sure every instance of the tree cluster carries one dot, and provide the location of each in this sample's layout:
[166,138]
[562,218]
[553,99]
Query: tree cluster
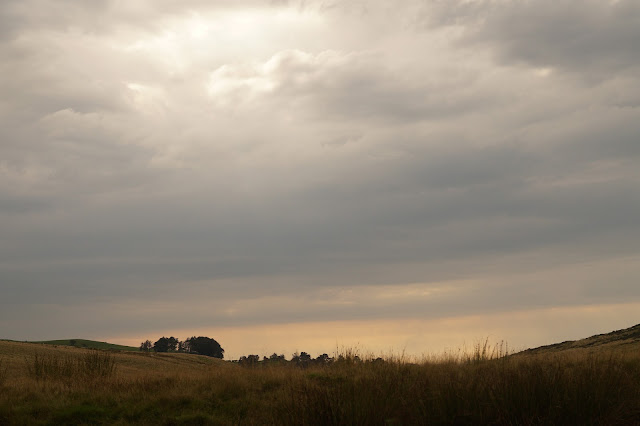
[193,345]
[302,360]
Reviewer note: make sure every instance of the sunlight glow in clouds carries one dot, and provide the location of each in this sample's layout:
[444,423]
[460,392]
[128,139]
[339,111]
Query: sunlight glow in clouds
[195,37]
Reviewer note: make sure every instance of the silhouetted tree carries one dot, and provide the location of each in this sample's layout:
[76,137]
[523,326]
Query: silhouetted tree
[166,344]
[323,359]
[172,344]
[205,346]
[275,358]
[305,357]
[146,346]
[161,345]
[249,360]
[302,359]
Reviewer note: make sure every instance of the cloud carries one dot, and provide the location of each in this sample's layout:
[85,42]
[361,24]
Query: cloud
[344,86]
[277,163]
[594,38]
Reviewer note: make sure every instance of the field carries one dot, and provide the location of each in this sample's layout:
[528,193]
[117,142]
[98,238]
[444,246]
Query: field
[44,384]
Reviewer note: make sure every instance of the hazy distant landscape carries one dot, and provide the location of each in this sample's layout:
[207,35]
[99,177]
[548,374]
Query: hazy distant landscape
[589,381]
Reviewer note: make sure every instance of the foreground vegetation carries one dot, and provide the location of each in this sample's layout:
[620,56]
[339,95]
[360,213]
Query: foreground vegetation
[47,385]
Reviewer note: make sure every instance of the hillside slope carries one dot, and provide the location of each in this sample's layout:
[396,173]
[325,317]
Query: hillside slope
[88,344]
[625,340]
[16,357]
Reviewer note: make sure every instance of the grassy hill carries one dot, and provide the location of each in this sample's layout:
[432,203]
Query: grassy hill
[16,357]
[620,341]
[88,344]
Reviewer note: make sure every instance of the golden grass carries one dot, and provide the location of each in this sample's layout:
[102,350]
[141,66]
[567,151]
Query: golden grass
[480,387]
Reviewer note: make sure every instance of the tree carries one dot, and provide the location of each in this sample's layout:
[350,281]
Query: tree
[305,357]
[146,346]
[277,358]
[161,345]
[249,360]
[172,344]
[323,359]
[205,346]
[301,359]
[166,344]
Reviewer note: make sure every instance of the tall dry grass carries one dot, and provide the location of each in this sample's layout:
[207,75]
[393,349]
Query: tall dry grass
[88,365]
[486,386]
[480,390]
[3,372]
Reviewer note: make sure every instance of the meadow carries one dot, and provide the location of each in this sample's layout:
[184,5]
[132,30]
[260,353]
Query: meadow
[42,384]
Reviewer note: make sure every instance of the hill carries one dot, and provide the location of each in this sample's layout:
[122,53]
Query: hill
[625,340]
[16,356]
[88,344]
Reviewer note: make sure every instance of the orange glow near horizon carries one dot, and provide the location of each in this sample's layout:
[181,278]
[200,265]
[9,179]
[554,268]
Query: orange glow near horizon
[415,338]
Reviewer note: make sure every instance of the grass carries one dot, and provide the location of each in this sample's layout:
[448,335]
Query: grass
[88,365]
[486,386]
[3,372]
[88,344]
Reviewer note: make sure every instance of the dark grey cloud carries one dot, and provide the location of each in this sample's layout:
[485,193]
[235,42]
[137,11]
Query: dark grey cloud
[207,305]
[597,38]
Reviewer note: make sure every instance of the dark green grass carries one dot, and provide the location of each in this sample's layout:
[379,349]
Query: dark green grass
[88,344]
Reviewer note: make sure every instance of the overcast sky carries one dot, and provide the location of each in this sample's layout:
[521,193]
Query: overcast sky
[303,175]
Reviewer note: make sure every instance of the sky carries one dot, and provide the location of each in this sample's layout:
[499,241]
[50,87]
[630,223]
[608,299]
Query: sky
[286,176]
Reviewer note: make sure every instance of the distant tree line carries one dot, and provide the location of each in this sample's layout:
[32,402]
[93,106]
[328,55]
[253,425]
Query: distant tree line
[193,345]
[302,360]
